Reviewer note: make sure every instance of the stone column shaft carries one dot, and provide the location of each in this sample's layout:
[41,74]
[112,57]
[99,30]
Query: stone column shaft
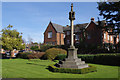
[72,33]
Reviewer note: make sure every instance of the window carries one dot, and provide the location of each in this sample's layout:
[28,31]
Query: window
[64,36]
[77,42]
[68,41]
[117,40]
[53,43]
[46,42]
[49,34]
[111,38]
[68,32]
[76,37]
[108,37]
[104,36]
[88,36]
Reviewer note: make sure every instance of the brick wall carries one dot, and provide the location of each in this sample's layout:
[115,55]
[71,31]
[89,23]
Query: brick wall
[109,38]
[93,34]
[57,38]
[54,34]
[62,38]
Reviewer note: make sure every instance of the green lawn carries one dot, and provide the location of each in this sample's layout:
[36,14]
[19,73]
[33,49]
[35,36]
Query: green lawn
[21,68]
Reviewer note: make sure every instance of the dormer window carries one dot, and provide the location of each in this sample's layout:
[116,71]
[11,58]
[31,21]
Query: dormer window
[50,34]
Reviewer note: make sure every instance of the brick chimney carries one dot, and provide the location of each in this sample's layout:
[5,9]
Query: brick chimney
[92,19]
[67,25]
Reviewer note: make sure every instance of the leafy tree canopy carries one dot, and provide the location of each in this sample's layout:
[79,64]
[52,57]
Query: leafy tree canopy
[11,39]
[111,12]
[34,48]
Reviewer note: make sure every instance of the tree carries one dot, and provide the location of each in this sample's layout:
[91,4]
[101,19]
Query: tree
[11,39]
[35,48]
[111,12]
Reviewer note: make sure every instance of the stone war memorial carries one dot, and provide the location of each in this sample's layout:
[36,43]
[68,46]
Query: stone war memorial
[72,64]
[72,61]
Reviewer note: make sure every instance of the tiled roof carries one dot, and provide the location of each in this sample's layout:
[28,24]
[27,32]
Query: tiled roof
[78,27]
[58,28]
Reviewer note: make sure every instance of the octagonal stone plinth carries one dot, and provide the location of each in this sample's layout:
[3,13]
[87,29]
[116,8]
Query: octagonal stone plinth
[72,61]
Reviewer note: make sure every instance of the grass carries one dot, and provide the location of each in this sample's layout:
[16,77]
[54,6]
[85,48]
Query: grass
[23,68]
[0,68]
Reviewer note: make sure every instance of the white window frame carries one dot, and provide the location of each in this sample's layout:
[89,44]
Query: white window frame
[50,34]
[63,35]
[108,37]
[117,40]
[111,38]
[104,35]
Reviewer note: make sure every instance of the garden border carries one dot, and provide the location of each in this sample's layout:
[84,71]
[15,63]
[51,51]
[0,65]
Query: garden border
[74,71]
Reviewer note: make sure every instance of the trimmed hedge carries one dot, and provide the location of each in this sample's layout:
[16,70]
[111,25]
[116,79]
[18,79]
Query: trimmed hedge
[60,57]
[53,52]
[105,59]
[23,55]
[74,71]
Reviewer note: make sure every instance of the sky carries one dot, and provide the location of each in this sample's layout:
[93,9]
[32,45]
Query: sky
[32,18]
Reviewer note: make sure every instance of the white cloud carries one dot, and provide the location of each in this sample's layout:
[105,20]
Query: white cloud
[35,36]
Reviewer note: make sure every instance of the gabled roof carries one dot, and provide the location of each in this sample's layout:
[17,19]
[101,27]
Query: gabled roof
[77,27]
[97,23]
[57,27]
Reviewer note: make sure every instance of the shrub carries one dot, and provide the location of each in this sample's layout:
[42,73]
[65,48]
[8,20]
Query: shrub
[70,70]
[106,59]
[43,48]
[36,55]
[60,57]
[23,55]
[35,48]
[53,52]
[3,55]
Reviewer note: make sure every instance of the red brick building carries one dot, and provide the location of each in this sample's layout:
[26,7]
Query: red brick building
[54,34]
[90,33]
